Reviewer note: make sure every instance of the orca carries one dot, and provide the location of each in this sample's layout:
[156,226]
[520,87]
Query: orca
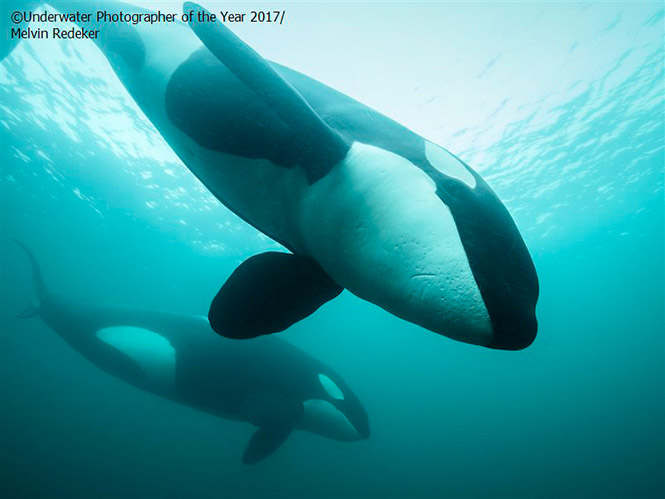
[359,201]
[264,381]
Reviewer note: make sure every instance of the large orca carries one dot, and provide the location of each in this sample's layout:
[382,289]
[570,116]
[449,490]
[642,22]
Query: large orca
[263,381]
[360,201]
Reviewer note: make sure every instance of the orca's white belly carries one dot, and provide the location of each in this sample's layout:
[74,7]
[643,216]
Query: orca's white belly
[375,237]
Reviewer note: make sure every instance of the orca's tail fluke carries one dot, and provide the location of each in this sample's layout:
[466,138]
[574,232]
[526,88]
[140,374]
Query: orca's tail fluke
[10,19]
[38,283]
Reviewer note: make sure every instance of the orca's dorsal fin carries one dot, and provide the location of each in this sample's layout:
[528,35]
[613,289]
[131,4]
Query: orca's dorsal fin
[321,147]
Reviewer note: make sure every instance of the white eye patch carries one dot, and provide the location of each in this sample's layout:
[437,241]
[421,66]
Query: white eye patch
[447,164]
[330,387]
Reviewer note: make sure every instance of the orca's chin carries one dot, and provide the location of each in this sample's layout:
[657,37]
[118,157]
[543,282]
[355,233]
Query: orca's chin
[323,418]
[516,334]
[518,337]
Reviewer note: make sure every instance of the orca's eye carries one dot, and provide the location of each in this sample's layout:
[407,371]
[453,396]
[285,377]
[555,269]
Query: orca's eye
[330,387]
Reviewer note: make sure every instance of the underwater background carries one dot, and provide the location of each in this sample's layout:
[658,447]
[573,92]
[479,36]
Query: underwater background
[558,105]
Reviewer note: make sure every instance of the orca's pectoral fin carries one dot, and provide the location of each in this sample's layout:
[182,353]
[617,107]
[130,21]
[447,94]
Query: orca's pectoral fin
[320,146]
[264,442]
[275,416]
[268,293]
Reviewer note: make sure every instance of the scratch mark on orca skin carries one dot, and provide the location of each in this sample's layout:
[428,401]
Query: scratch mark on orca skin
[415,276]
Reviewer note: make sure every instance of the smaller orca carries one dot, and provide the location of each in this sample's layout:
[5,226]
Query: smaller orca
[264,381]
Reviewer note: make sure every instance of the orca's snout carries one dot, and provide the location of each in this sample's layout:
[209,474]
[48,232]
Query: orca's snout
[356,415]
[508,285]
[515,333]
[498,258]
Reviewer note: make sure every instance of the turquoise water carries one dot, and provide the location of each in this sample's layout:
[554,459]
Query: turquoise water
[558,105]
